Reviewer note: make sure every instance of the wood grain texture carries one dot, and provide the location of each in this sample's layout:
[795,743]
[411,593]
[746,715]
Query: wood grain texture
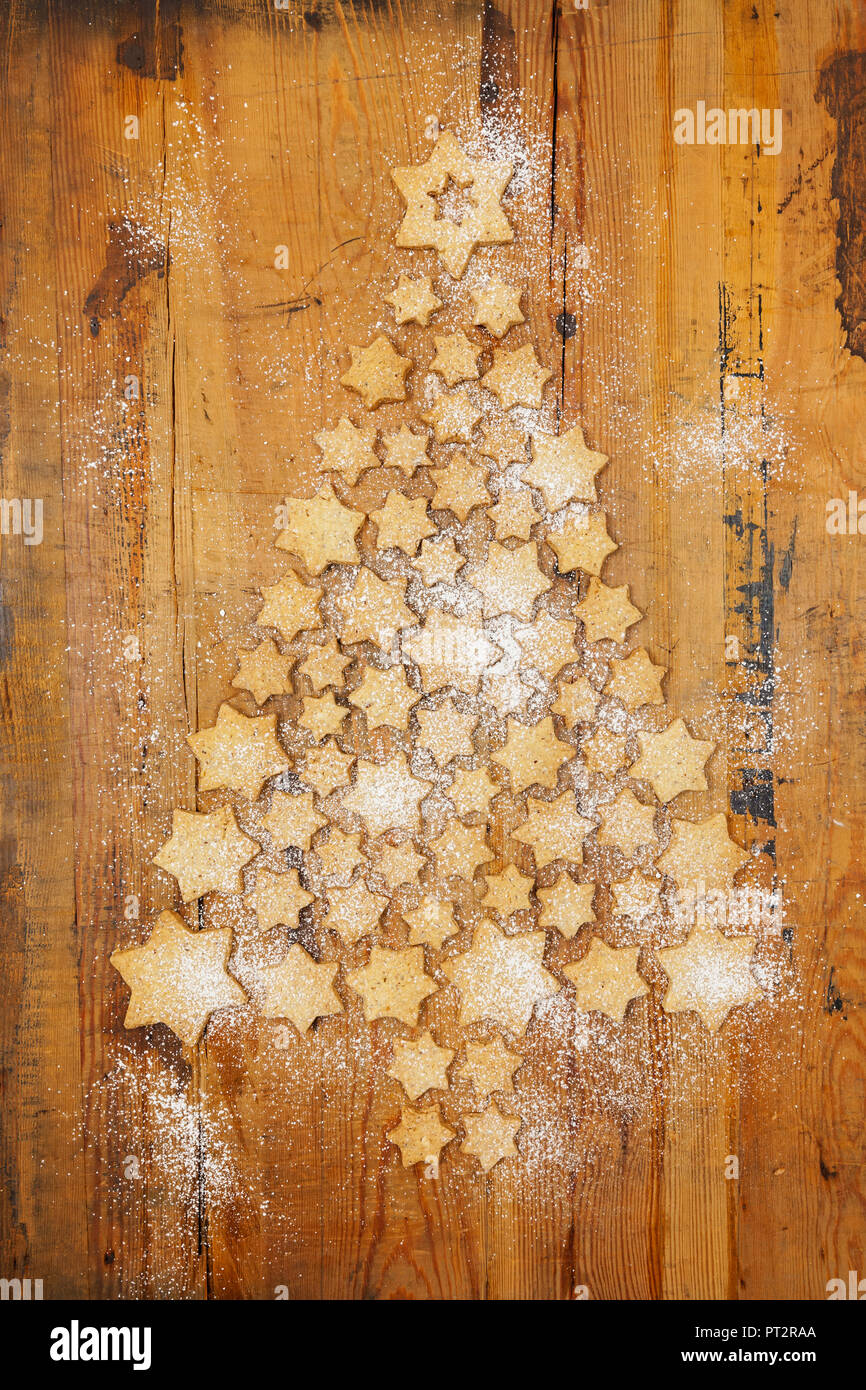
[686,299]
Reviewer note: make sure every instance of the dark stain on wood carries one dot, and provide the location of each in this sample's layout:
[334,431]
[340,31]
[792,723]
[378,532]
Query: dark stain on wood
[132,255]
[155,50]
[842,88]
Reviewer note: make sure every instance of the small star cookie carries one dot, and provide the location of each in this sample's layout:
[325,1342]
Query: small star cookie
[385,697]
[607,612]
[627,823]
[421,1136]
[672,761]
[490,1136]
[702,852]
[456,358]
[327,768]
[635,680]
[581,542]
[508,892]
[453,417]
[497,307]
[460,850]
[373,610]
[321,715]
[413,300]
[293,820]
[406,450]
[514,515]
[277,899]
[563,468]
[490,1066]
[450,651]
[636,897]
[710,974]
[554,830]
[320,531]
[347,450]
[517,378]
[439,561]
[354,912]
[386,796]
[459,487]
[548,645]
[446,732]
[510,580]
[471,792]
[378,372]
[393,984]
[290,606]
[605,980]
[264,671]
[324,665]
[533,755]
[431,923]
[420,1065]
[577,701]
[300,989]
[402,523]
[567,905]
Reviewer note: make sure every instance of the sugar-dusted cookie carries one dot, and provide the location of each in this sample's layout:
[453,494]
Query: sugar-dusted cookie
[508,892]
[453,417]
[577,701]
[264,671]
[517,378]
[672,761]
[277,899]
[406,450]
[567,906]
[497,307]
[637,896]
[459,487]
[326,768]
[439,561]
[581,542]
[393,984]
[626,822]
[373,610]
[532,754]
[205,852]
[321,715]
[554,829]
[490,1066]
[456,358]
[420,1065]
[321,531]
[563,468]
[178,977]
[710,974]
[548,644]
[354,912]
[514,514]
[702,852]
[293,819]
[459,850]
[300,989]
[421,1136]
[402,522]
[605,980]
[431,922]
[378,372]
[446,732]
[347,450]
[385,697]
[510,580]
[501,977]
[450,650]
[490,1136]
[238,753]
[635,680]
[472,791]
[606,612]
[386,796]
[324,665]
[413,300]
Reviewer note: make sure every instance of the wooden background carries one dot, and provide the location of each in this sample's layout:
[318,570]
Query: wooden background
[711,361]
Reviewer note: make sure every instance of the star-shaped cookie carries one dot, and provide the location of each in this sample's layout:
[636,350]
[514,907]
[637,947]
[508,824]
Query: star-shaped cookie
[577,701]
[548,645]
[490,1066]
[420,1065]
[327,768]
[402,523]
[459,850]
[501,977]
[178,977]
[393,984]
[450,650]
[206,852]
[264,671]
[421,1136]
[472,791]
[373,610]
[563,468]
[321,715]
[439,561]
[300,989]
[453,417]
[606,612]
[483,224]
[517,378]
[554,830]
[514,515]
[277,899]
[532,754]
[399,864]
[347,450]
[386,796]
[626,822]
[672,761]
[406,450]
[320,531]
[354,912]
[606,980]
[446,732]
[293,819]
[238,753]
[635,680]
[413,300]
[510,580]
[385,697]
[497,307]
[290,606]
[709,974]
[378,372]
[456,358]
[702,852]
[490,1136]
[567,905]
[336,857]
[581,542]
[604,751]
[431,923]
[508,892]
[637,896]
[324,665]
[459,487]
